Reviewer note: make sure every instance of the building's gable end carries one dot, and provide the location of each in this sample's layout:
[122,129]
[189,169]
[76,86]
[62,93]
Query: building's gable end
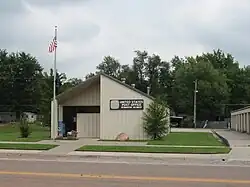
[115,86]
[85,97]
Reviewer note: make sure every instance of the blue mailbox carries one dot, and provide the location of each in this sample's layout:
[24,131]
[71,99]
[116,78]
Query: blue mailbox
[61,128]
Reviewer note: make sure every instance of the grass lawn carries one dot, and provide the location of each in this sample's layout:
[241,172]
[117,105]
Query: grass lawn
[11,133]
[144,149]
[188,139]
[26,146]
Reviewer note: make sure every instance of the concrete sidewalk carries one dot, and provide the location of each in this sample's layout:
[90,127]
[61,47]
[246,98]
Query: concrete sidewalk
[114,155]
[239,142]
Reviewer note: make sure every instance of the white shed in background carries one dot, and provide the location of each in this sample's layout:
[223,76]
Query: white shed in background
[30,117]
[7,117]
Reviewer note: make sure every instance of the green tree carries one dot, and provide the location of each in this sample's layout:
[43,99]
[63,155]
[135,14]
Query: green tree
[110,66]
[70,83]
[166,83]
[139,70]
[89,75]
[235,76]
[212,89]
[5,82]
[222,84]
[156,119]
[46,84]
[152,72]
[127,73]
[60,81]
[20,76]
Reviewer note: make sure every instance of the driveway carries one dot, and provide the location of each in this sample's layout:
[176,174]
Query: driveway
[236,139]
[239,142]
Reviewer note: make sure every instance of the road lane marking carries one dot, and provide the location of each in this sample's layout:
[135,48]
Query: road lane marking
[190,164]
[141,178]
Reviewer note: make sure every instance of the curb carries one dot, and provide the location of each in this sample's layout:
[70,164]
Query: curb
[119,157]
[239,160]
[224,140]
[103,155]
[154,156]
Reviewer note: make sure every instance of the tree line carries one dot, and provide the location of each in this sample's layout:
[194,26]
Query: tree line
[26,87]
[222,84]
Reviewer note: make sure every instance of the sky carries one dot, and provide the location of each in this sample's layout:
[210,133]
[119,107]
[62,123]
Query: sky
[88,30]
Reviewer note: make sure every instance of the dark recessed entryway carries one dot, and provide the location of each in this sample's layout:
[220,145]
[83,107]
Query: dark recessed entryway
[70,113]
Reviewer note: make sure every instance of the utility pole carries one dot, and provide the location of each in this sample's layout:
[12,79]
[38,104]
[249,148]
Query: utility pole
[195,92]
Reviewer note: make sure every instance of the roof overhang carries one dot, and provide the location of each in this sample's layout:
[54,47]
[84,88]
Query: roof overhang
[240,109]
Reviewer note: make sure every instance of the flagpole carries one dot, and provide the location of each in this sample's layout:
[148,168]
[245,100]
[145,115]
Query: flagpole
[54,89]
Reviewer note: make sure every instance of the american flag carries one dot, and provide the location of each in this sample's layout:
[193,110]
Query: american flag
[53,45]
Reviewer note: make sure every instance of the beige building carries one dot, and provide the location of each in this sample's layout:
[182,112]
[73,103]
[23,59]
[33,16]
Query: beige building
[103,107]
[240,120]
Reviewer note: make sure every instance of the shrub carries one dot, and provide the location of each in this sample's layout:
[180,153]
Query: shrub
[25,129]
[155,120]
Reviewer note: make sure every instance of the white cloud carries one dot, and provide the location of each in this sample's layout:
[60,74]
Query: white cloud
[89,30]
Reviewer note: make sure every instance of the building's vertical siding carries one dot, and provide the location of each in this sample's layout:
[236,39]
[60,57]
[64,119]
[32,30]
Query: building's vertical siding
[88,125]
[88,97]
[233,122]
[248,126]
[240,120]
[114,122]
[245,122]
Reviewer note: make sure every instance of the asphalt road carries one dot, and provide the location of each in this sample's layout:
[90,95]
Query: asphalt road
[43,173]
